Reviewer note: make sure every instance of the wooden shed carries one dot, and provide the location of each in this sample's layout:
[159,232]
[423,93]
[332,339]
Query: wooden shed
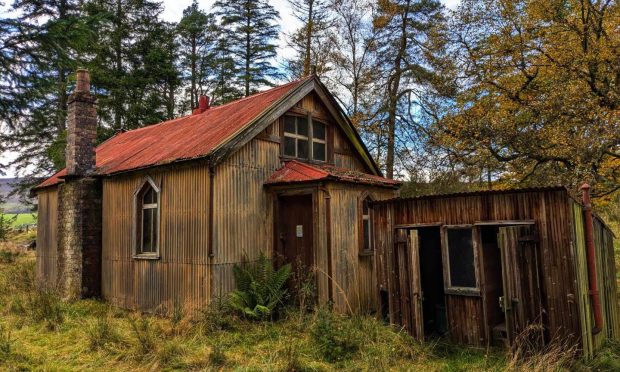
[484,267]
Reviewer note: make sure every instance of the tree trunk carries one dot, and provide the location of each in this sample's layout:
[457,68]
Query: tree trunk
[248,53]
[394,88]
[194,93]
[307,52]
[118,66]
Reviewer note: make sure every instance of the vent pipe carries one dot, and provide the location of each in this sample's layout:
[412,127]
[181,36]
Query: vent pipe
[591,253]
[203,105]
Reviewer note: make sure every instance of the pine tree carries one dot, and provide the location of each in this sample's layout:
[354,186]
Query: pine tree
[404,26]
[198,34]
[44,43]
[312,41]
[224,74]
[251,31]
[133,64]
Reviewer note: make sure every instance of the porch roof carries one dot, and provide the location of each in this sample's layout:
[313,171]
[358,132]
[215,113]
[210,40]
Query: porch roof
[294,171]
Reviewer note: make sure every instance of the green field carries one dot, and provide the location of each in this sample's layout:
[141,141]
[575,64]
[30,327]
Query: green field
[22,218]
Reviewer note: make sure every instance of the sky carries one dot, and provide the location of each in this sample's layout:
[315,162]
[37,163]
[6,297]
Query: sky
[173,10]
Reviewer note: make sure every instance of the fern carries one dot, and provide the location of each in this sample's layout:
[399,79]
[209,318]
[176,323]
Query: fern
[261,289]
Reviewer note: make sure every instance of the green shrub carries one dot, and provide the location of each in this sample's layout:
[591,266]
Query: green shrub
[101,333]
[5,342]
[216,317]
[260,289]
[8,257]
[336,337]
[144,334]
[45,305]
[217,358]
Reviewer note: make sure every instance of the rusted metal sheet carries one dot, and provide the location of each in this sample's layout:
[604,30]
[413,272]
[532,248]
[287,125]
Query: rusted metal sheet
[294,171]
[47,236]
[188,137]
[552,213]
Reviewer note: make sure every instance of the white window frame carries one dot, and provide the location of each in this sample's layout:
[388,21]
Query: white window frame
[138,219]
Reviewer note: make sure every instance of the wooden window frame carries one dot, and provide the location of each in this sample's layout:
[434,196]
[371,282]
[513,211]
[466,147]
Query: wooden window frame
[310,137]
[448,287]
[138,221]
[361,217]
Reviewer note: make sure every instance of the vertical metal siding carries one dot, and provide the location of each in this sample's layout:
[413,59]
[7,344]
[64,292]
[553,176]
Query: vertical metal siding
[181,276]
[47,236]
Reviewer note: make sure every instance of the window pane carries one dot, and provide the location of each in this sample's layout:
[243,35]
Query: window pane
[302,126]
[318,151]
[318,130]
[302,149]
[461,256]
[365,206]
[289,146]
[147,230]
[366,225]
[154,229]
[289,124]
[149,196]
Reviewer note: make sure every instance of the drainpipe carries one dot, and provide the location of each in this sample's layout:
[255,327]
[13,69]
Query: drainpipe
[596,302]
[210,227]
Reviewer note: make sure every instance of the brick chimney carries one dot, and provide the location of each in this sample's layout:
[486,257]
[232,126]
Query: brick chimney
[81,128]
[203,105]
[79,200]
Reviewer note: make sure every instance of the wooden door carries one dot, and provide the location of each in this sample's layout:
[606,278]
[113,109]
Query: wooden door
[521,300]
[295,234]
[407,288]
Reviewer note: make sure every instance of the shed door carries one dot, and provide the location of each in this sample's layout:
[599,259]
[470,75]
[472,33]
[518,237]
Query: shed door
[295,235]
[521,300]
[407,284]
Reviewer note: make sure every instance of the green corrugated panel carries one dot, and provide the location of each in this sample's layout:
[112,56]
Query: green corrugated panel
[581,267]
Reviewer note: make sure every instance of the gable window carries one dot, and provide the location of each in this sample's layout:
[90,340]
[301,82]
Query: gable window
[459,251]
[147,221]
[296,137]
[366,228]
[319,143]
[304,138]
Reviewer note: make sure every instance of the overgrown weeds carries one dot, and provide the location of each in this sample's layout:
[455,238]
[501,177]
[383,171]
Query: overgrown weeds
[101,333]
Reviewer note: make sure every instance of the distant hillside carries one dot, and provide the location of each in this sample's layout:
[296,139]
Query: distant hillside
[12,203]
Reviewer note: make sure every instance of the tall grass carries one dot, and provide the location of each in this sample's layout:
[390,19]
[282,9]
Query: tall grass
[40,332]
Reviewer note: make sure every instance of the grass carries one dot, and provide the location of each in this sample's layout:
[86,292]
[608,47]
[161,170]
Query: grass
[40,332]
[21,219]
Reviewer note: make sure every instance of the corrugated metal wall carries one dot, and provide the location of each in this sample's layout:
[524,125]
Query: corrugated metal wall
[606,280]
[552,213]
[47,236]
[181,276]
[354,276]
[243,210]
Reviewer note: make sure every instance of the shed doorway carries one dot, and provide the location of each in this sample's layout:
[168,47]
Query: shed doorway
[512,295]
[295,238]
[419,300]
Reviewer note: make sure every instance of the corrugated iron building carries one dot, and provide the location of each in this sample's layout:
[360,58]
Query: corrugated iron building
[222,181]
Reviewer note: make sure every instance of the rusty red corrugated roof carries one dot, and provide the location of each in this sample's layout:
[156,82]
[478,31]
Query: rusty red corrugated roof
[183,138]
[294,171]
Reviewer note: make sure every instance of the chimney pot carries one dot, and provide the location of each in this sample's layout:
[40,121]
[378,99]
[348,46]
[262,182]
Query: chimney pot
[83,80]
[203,103]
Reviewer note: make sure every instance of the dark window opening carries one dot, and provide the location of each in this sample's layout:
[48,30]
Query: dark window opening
[461,258]
[148,227]
[303,142]
[431,278]
[366,226]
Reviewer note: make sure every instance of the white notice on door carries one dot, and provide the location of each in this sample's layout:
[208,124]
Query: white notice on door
[299,231]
